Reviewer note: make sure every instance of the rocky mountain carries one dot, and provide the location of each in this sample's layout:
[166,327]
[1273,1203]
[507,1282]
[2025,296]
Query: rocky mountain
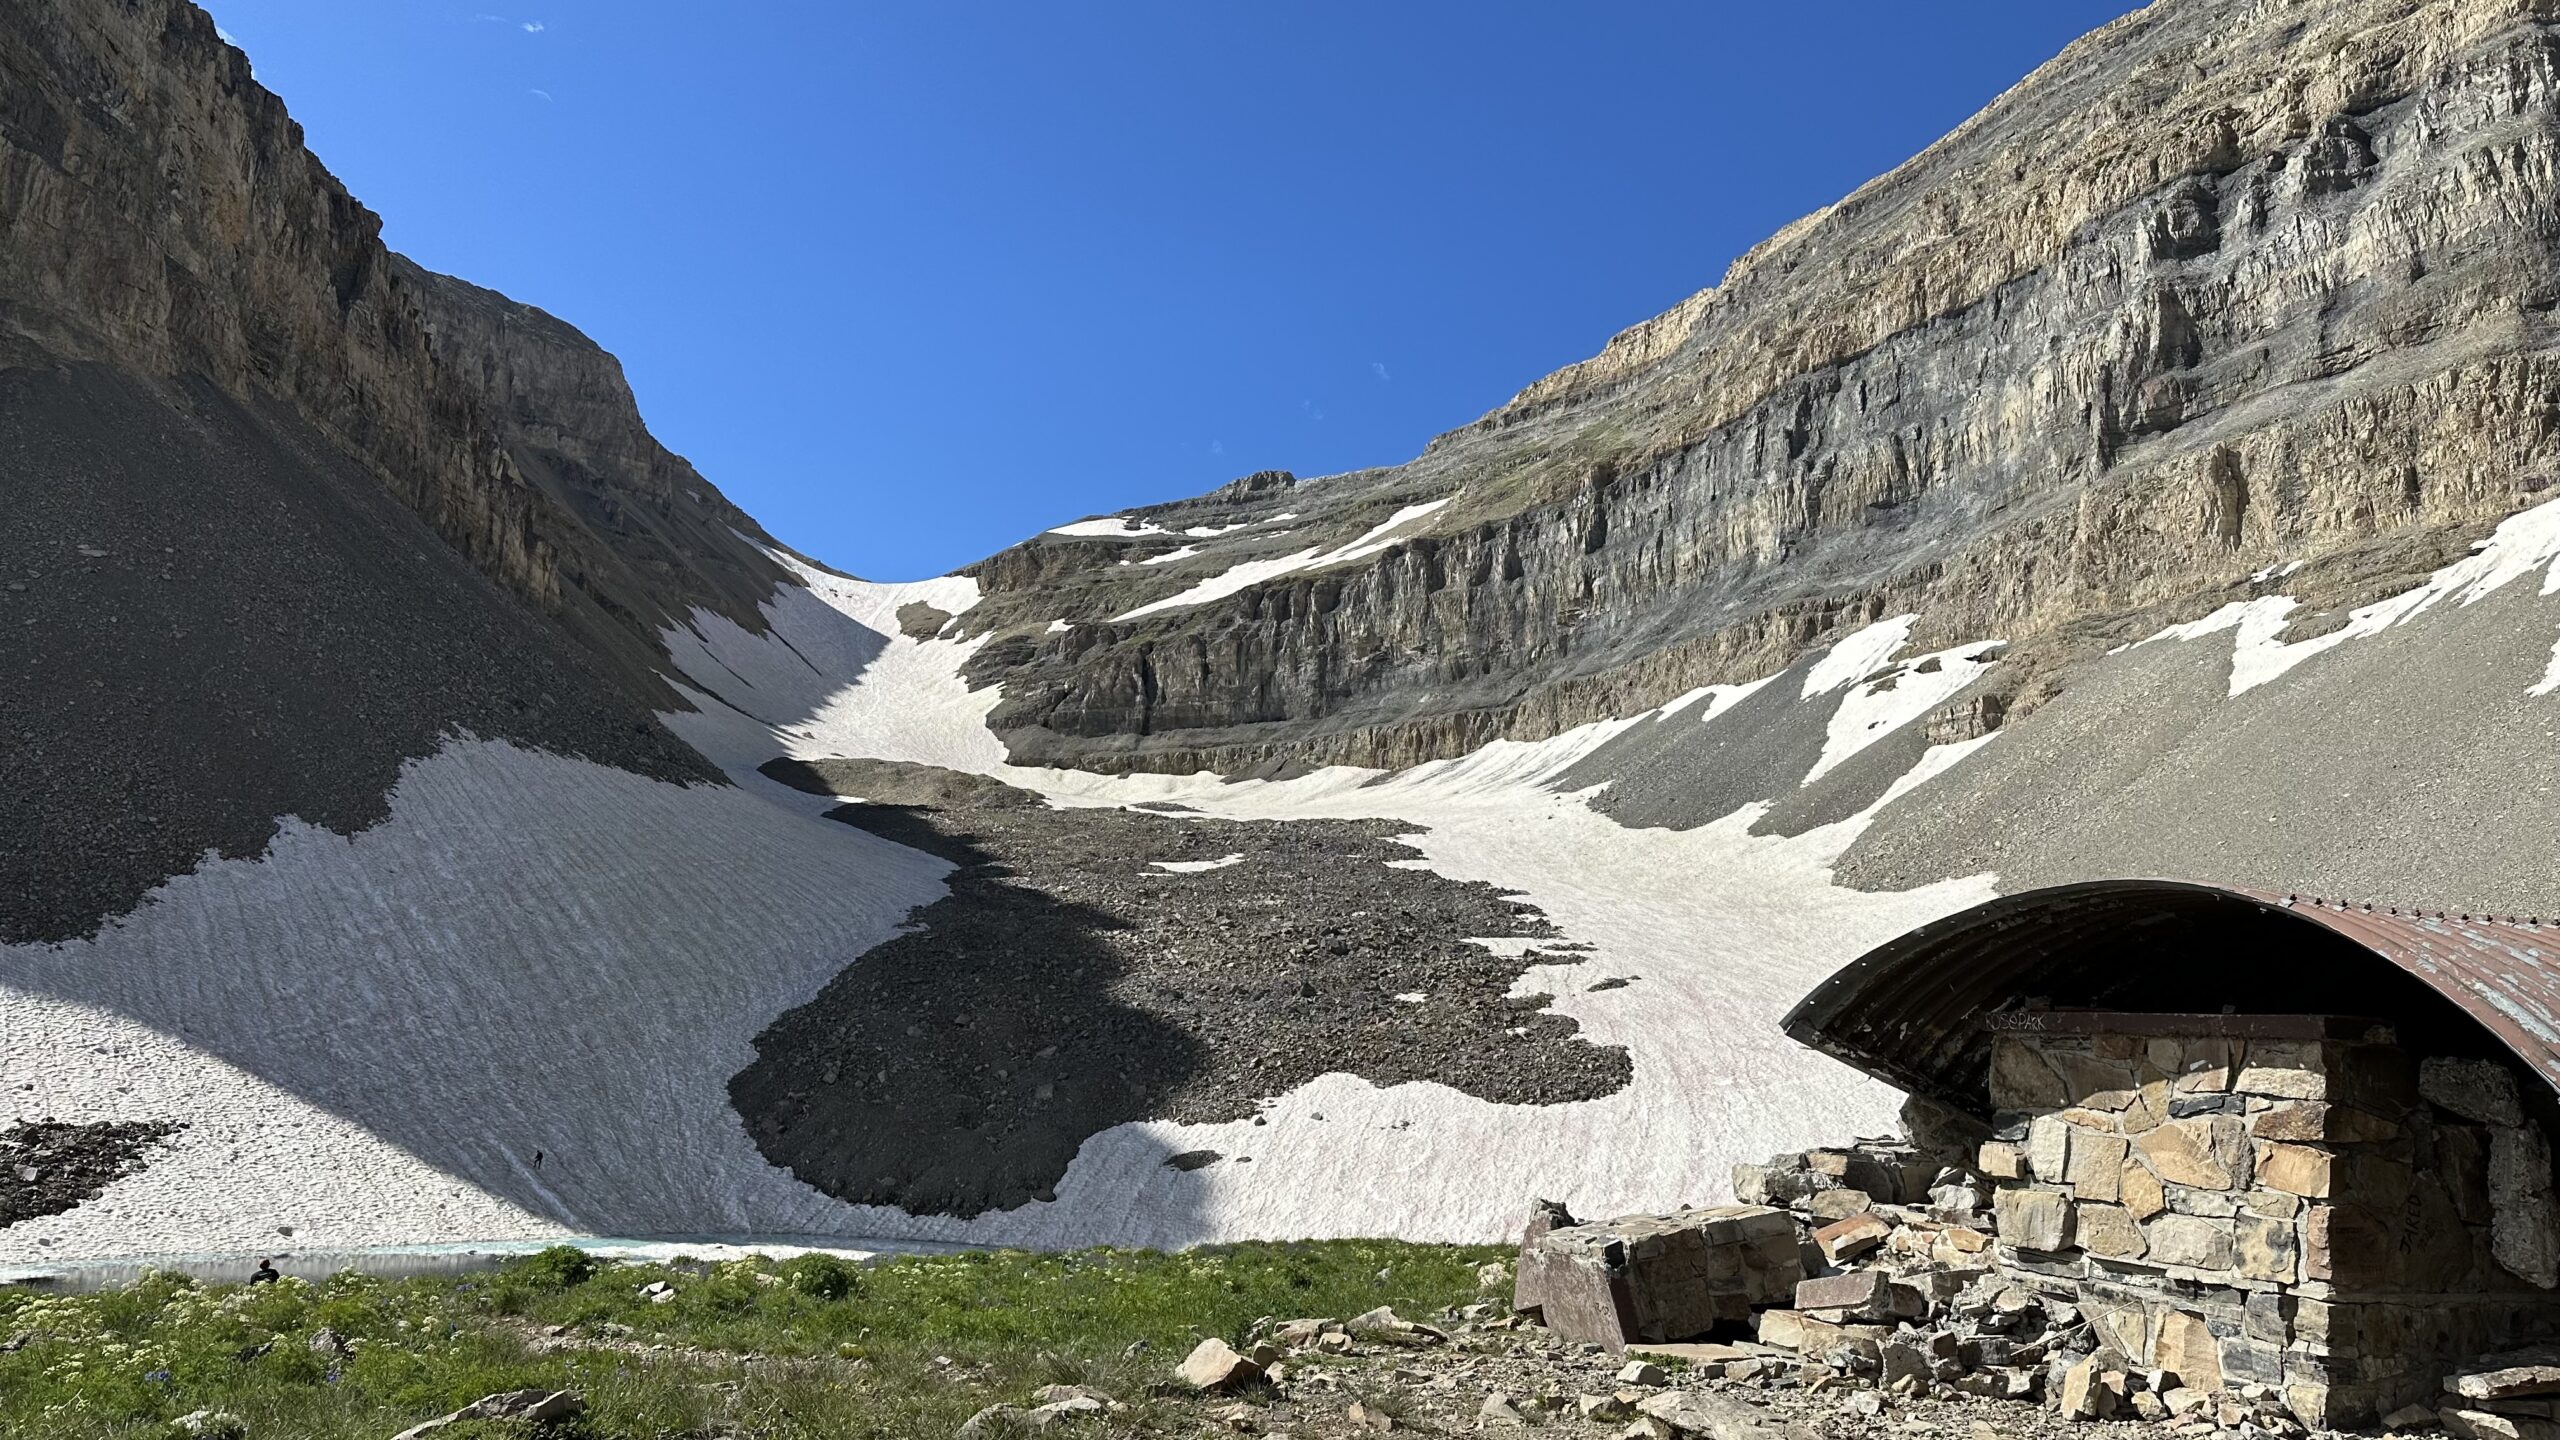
[432,813]
[285,509]
[2229,285]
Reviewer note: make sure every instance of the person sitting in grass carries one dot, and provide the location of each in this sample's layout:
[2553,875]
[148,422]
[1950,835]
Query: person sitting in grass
[266,1273]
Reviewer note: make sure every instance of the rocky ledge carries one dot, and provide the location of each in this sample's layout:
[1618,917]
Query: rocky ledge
[2224,288]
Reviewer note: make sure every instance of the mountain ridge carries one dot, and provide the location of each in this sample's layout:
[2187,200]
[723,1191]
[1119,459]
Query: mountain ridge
[1866,418]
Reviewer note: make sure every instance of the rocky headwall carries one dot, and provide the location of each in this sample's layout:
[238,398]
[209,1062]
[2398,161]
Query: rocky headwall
[2230,283]
[652,538]
[160,213]
[284,514]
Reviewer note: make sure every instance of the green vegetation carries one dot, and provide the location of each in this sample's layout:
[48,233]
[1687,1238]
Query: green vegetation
[744,1350]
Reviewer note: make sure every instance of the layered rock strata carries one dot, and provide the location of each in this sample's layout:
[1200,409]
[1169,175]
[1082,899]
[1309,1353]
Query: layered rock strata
[2231,283]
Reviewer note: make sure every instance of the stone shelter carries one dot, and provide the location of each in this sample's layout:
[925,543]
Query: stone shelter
[2252,1139]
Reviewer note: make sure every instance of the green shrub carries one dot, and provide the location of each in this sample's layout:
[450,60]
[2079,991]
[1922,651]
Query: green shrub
[822,1277]
[557,1267]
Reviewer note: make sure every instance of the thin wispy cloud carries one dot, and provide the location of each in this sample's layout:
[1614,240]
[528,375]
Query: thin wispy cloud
[1381,367]
[1217,447]
[533,27]
[542,95]
[1310,407]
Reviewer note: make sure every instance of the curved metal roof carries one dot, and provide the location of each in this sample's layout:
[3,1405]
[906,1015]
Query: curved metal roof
[1911,1010]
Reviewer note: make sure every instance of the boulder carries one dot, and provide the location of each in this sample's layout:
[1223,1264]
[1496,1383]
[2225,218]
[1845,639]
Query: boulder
[1868,1294]
[1847,1239]
[2509,1376]
[1838,1204]
[1364,1416]
[2469,1424]
[1061,1412]
[1214,1365]
[533,1407]
[2083,1396]
[2480,1090]
[1714,1416]
[1661,1277]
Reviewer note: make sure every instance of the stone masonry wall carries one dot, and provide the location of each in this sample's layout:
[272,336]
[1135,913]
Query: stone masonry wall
[2319,1212]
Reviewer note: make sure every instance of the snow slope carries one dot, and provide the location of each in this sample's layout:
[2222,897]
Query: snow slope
[372,1036]
[1250,573]
[2523,544]
[1723,931]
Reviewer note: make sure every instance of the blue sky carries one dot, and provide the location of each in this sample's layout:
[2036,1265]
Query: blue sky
[912,282]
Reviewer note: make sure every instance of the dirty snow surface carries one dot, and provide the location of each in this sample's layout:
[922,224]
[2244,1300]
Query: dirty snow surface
[514,1008]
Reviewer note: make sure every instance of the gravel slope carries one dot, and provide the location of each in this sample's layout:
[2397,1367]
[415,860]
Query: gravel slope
[214,619]
[1071,983]
[2411,766]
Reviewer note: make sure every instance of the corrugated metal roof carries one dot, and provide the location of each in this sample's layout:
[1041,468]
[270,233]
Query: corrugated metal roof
[1910,1011]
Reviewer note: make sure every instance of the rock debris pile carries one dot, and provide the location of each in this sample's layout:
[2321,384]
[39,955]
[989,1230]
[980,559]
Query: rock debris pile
[49,1166]
[1093,967]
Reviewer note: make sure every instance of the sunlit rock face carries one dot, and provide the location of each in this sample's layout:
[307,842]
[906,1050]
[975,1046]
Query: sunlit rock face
[2225,286]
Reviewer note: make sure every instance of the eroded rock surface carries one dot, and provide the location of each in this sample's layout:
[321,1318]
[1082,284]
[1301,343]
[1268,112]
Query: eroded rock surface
[2226,285]
[285,511]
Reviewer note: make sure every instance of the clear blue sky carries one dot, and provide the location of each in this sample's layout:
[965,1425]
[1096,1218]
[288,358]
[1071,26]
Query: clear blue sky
[913,281]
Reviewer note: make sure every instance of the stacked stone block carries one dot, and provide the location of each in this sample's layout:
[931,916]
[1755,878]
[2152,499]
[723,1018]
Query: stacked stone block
[1658,1278]
[2290,1202]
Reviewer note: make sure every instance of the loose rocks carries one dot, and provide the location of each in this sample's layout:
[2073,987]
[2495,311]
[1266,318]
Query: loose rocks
[47,1167]
[1068,985]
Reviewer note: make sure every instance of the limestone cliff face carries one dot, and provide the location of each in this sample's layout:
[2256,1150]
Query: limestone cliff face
[2229,283]
[651,538]
[284,513]
[162,215]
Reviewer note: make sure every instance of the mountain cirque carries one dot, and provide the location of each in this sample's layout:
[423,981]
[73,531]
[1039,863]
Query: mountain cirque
[429,792]
[2225,286]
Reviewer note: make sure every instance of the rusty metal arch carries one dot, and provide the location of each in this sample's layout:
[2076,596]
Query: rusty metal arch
[1910,1011]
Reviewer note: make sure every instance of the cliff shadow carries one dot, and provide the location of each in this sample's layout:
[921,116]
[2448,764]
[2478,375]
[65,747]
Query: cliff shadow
[1092,968]
[959,1068]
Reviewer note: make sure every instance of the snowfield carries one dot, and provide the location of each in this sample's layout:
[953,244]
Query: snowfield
[512,1009]
[2524,543]
[1245,576]
[370,1037]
